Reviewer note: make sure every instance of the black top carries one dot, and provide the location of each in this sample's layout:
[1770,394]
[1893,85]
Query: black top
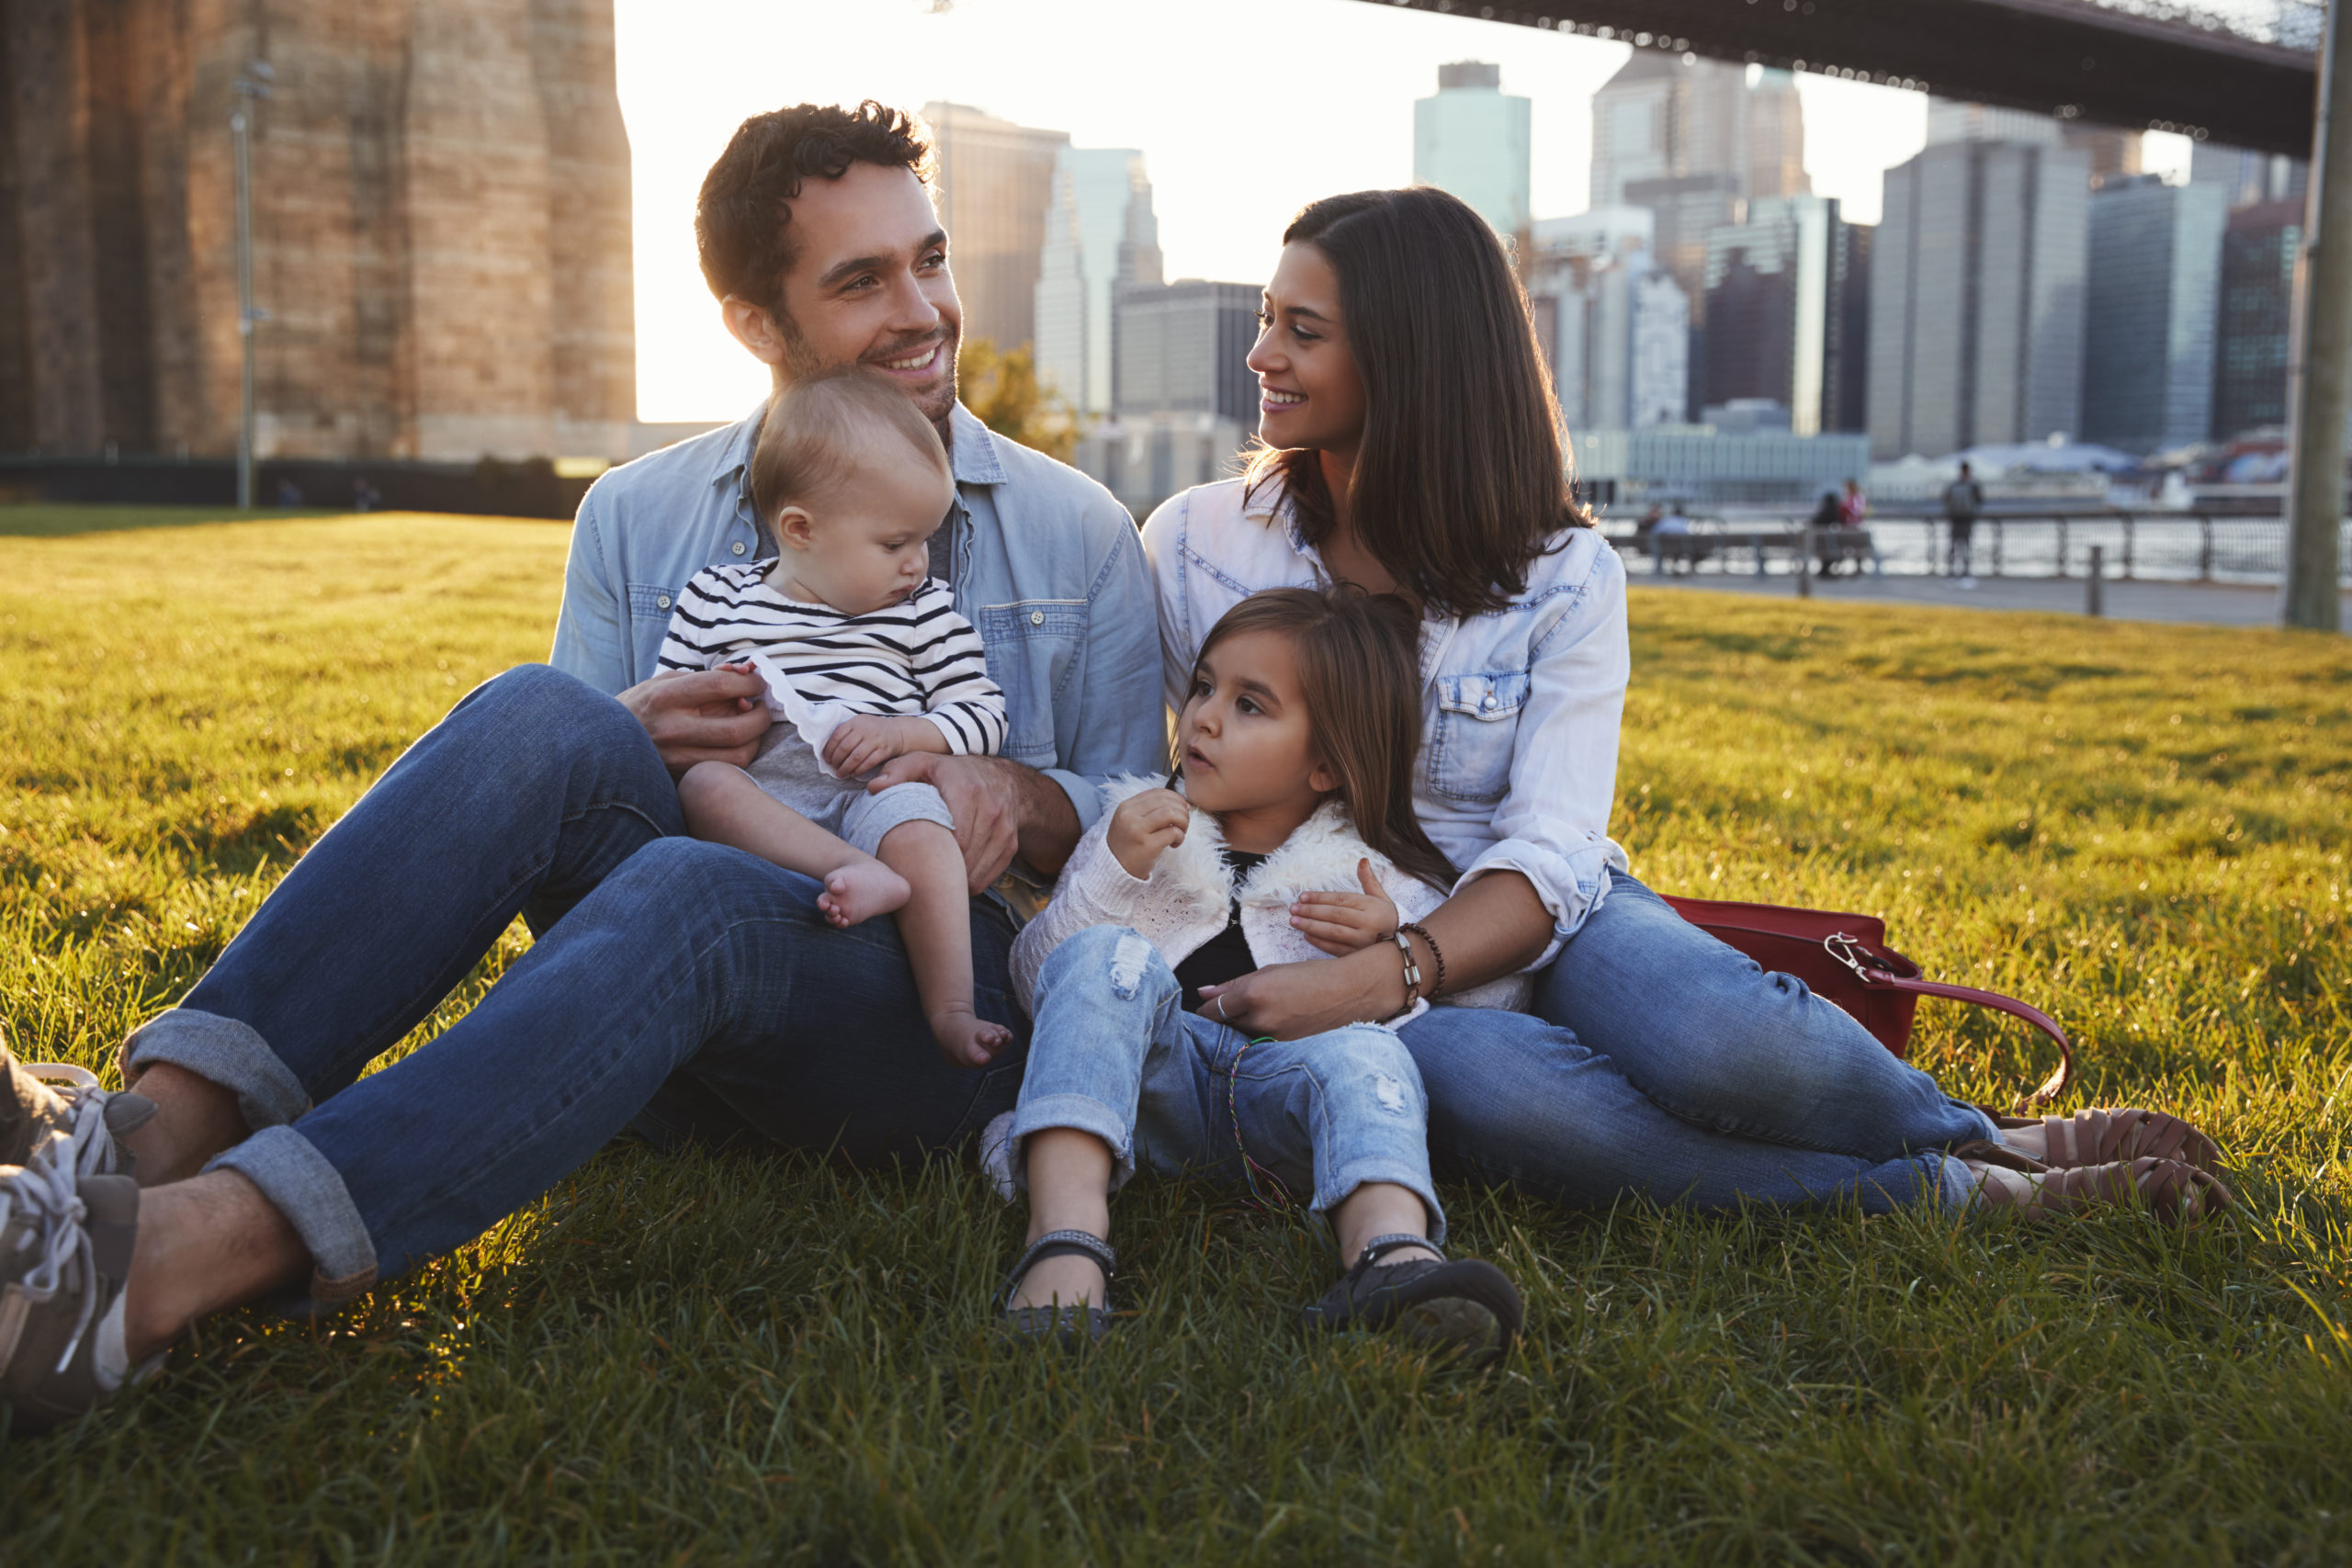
[1225,956]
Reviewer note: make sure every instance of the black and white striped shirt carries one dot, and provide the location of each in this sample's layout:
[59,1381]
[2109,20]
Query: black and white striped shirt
[917,656]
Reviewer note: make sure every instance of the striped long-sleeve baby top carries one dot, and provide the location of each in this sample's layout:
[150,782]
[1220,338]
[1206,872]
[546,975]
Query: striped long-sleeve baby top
[916,657]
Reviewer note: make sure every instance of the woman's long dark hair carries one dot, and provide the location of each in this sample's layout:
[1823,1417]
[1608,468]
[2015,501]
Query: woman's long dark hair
[1461,481]
[1360,673]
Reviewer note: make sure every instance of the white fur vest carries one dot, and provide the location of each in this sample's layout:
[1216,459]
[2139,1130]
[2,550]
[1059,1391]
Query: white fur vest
[1191,892]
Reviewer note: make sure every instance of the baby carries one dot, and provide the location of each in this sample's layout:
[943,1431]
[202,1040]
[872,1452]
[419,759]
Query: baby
[865,660]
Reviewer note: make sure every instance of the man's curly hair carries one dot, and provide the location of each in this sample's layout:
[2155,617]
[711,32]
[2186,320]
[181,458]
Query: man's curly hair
[743,217]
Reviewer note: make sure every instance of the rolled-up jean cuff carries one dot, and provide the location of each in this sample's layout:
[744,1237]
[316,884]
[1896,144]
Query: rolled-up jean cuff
[1332,1189]
[1079,1113]
[226,1052]
[1954,1183]
[301,1185]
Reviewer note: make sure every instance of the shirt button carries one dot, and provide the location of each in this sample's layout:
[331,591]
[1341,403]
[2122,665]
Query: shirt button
[662,603]
[1036,617]
[1488,704]
[738,547]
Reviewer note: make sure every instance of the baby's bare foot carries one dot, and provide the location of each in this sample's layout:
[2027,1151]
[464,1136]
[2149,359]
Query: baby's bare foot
[967,1039]
[861,890]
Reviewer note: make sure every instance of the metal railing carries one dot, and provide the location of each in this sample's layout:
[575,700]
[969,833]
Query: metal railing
[2166,547]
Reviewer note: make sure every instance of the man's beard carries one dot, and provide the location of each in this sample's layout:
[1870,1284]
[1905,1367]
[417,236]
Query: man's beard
[800,361]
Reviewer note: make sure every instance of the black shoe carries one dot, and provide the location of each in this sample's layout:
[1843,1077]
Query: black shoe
[1063,1323]
[1468,1304]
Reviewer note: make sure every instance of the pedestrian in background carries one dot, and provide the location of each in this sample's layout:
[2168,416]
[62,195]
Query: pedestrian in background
[1963,499]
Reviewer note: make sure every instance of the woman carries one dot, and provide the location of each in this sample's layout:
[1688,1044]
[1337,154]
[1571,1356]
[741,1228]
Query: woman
[1413,449]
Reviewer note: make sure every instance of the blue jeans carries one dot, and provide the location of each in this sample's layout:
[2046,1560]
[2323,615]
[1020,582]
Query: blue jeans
[683,988]
[1664,1062]
[1113,1053]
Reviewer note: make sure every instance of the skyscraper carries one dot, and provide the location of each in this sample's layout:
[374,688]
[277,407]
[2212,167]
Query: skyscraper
[2246,177]
[2258,248]
[1183,348]
[2148,349]
[996,179]
[1473,140]
[1100,237]
[1778,312]
[1977,283]
[1618,327]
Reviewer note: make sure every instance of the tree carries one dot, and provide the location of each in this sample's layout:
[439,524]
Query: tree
[1002,389]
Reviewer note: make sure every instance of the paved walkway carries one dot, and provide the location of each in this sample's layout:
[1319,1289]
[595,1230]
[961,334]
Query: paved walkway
[2195,604]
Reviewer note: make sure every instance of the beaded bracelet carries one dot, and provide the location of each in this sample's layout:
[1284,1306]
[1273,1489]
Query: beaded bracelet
[1435,952]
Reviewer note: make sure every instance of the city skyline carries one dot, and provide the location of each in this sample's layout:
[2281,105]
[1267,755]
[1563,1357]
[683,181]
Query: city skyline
[1223,182]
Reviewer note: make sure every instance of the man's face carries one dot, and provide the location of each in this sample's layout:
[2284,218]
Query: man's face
[869,286]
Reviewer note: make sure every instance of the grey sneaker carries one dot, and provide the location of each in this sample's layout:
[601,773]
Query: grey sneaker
[65,1247]
[39,1099]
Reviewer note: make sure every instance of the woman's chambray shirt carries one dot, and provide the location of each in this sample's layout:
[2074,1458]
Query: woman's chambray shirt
[1521,707]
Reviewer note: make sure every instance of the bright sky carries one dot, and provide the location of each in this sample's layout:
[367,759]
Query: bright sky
[1244,111]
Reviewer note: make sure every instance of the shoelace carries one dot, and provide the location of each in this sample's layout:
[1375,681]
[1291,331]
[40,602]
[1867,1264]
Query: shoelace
[45,1191]
[93,1141]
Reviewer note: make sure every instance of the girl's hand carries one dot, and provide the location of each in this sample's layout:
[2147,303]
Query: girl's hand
[1290,1002]
[1146,826]
[1341,923]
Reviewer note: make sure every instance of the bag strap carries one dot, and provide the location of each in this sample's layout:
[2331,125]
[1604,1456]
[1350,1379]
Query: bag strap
[2051,1087]
[1855,956]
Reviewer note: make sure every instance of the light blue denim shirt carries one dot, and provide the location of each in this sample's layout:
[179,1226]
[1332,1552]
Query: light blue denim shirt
[1046,566]
[1519,709]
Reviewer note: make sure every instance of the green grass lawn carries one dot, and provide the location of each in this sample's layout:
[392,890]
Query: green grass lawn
[2143,829]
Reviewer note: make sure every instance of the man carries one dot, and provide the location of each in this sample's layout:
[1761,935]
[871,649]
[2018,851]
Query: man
[679,988]
[1963,499]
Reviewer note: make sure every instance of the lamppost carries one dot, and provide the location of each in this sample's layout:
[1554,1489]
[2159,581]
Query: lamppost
[251,82]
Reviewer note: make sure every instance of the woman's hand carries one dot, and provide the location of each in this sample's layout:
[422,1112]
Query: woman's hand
[1290,1002]
[1145,826]
[1341,923]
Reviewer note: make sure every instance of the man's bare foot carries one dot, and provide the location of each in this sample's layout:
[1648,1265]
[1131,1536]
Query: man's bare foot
[861,890]
[968,1040]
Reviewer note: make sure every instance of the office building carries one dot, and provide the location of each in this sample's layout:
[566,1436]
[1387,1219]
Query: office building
[1977,309]
[1703,463]
[440,234]
[996,181]
[2245,178]
[2258,290]
[1100,237]
[2148,347]
[1661,118]
[1184,347]
[1619,329]
[1473,139]
[2112,152]
[1784,293]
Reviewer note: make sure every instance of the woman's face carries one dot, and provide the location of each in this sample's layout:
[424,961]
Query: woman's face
[1308,391]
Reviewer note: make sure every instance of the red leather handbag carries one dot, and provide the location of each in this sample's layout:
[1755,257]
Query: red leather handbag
[1844,959]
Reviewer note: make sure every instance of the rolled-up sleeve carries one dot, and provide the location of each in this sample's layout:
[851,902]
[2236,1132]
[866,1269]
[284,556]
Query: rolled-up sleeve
[1552,824]
[593,629]
[1119,729]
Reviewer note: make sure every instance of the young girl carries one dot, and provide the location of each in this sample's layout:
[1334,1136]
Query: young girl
[1296,745]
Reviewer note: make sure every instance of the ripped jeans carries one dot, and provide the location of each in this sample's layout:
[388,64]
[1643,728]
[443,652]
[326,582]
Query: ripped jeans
[1113,1053]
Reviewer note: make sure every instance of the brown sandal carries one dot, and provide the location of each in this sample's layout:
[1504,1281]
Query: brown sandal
[2172,1190]
[2103,1138]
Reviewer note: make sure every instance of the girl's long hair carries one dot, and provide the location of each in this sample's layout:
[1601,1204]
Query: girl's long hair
[1360,673]
[1461,480]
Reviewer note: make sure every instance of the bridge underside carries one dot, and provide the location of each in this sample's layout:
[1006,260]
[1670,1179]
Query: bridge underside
[2065,58]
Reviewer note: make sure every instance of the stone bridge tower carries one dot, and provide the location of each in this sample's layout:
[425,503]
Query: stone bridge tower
[441,228]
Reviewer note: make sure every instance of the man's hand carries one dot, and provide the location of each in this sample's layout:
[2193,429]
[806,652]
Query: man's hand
[983,794]
[1290,1002]
[1147,825]
[1341,923]
[860,745]
[702,716]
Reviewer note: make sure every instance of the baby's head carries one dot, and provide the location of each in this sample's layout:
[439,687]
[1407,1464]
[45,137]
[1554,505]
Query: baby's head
[1300,694]
[854,480]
